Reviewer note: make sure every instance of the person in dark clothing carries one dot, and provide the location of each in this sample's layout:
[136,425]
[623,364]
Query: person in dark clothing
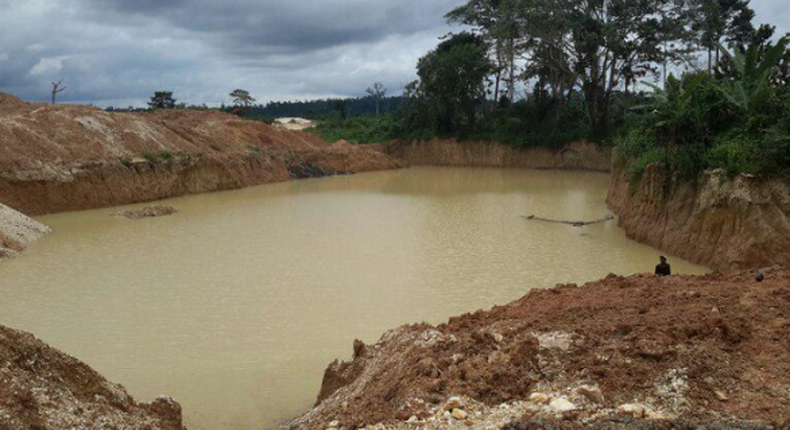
[663,269]
[758,275]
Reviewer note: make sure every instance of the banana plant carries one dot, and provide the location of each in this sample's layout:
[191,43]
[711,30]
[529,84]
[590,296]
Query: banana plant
[680,110]
[750,88]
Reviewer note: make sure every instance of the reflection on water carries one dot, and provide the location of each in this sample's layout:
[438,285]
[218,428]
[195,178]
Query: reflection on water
[236,304]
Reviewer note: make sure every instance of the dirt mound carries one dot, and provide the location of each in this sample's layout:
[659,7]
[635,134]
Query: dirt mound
[68,157]
[155,211]
[680,349]
[42,388]
[17,232]
[721,222]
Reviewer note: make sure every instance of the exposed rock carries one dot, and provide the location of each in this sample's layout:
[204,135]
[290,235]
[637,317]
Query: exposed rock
[560,405]
[454,403]
[17,232]
[541,398]
[721,395]
[459,414]
[43,388]
[592,393]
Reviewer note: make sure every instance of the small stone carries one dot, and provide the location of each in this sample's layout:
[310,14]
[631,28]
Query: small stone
[721,395]
[413,419]
[541,398]
[447,414]
[334,423]
[592,393]
[457,358]
[636,410]
[459,414]
[560,405]
[454,403]
[498,338]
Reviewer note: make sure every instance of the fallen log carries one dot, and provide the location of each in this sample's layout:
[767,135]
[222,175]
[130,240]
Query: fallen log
[573,223]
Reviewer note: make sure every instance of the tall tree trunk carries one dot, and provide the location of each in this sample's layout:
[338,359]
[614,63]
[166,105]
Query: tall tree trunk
[512,83]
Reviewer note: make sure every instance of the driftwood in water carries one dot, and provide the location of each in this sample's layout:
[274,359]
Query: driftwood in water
[573,223]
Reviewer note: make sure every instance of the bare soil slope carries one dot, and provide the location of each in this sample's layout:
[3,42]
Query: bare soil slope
[43,388]
[439,152]
[682,350]
[723,223]
[66,157]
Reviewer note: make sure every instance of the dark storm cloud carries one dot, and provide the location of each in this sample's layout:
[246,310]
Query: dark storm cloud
[306,25]
[117,52]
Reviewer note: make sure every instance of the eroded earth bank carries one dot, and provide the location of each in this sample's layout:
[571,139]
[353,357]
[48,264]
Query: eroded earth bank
[728,224]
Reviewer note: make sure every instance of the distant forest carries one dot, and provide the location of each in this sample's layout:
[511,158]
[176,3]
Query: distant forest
[321,109]
[324,108]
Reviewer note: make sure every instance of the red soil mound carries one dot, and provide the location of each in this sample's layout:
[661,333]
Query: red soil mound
[66,157]
[681,348]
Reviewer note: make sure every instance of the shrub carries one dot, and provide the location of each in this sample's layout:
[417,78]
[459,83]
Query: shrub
[165,155]
[150,156]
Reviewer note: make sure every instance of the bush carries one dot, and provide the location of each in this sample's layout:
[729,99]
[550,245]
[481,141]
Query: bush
[150,156]
[165,155]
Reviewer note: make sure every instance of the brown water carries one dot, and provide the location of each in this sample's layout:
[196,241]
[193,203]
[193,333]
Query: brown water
[236,304]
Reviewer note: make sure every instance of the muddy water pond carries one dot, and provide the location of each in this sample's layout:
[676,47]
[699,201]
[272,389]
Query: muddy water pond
[236,304]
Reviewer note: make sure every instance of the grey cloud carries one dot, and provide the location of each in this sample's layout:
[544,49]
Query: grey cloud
[117,52]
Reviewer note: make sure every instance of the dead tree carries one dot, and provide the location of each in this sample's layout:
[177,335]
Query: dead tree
[56,88]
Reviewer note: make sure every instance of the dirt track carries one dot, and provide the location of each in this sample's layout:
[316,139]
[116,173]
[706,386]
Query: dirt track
[680,349]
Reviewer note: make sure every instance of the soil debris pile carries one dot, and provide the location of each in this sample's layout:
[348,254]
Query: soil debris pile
[146,212]
[17,232]
[624,350]
[43,388]
[67,157]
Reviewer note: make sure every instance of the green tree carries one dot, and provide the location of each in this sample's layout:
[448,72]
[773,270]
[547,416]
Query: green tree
[453,78]
[749,87]
[242,98]
[600,46]
[498,23]
[378,91]
[162,100]
[716,21]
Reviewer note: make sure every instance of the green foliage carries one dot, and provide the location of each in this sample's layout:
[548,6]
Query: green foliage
[162,100]
[368,129]
[126,162]
[150,156]
[735,120]
[165,155]
[749,87]
[452,82]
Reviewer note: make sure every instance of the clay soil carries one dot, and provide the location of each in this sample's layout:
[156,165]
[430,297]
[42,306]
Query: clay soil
[690,350]
[43,388]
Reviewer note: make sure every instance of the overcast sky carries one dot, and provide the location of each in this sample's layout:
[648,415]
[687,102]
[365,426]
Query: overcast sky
[117,52]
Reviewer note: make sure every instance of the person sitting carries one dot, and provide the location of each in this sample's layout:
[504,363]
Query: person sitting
[758,275]
[663,269]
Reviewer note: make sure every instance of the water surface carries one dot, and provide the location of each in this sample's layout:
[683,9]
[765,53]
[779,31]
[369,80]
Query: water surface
[235,305]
